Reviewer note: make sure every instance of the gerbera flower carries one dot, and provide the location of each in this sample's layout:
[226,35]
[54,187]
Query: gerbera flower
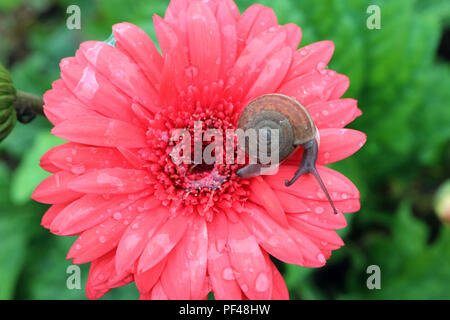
[137,214]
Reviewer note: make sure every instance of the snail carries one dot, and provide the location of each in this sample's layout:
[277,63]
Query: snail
[295,128]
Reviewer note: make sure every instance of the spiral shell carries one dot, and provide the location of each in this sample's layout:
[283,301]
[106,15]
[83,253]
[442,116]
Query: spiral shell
[276,111]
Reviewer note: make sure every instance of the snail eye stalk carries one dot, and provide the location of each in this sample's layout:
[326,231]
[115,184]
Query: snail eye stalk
[308,165]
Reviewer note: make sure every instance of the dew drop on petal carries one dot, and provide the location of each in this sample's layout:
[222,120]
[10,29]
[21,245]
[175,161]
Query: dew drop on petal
[79,169]
[321,258]
[318,210]
[244,288]
[117,216]
[262,282]
[228,274]
[321,67]
[102,239]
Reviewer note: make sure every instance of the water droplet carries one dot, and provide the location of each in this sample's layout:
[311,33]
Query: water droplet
[321,258]
[117,216]
[78,169]
[134,226]
[344,196]
[77,246]
[102,239]
[244,287]
[228,274]
[318,210]
[262,282]
[191,71]
[321,67]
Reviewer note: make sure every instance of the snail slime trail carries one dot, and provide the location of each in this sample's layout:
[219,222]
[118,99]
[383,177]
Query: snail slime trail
[296,128]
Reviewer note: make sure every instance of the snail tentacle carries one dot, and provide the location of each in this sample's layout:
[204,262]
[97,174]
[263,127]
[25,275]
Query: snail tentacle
[249,171]
[308,165]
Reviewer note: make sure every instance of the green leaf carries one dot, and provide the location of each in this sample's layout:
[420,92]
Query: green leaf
[28,175]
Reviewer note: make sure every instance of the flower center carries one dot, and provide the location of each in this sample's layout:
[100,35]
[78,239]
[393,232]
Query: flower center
[188,160]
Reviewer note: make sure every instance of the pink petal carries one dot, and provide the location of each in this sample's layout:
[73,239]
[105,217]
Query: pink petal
[94,90]
[174,78]
[291,203]
[176,17]
[338,144]
[204,43]
[121,71]
[294,35]
[54,189]
[325,217]
[220,272]
[322,237]
[163,241]
[335,145]
[263,195]
[87,212]
[312,255]
[95,242]
[101,132]
[175,278]
[158,292]
[307,187]
[271,236]
[136,237]
[80,158]
[100,270]
[279,289]
[272,75]
[145,281]
[233,8]
[316,86]
[334,113]
[51,214]
[196,250]
[264,20]
[102,276]
[311,57]
[133,41]
[245,24]
[253,59]
[253,21]
[110,180]
[251,270]
[61,104]
[46,164]
[227,27]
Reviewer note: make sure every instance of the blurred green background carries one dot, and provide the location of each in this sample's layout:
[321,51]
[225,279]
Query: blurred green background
[401,76]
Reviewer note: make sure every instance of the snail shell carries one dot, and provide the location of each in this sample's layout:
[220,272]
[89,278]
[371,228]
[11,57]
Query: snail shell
[295,127]
[276,111]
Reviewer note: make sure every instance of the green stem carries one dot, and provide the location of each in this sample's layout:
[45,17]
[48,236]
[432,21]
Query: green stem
[27,105]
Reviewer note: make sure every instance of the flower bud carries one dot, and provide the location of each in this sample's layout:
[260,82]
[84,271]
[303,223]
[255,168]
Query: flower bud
[442,202]
[7,98]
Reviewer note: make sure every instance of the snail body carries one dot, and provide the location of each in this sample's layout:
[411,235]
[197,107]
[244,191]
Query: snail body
[295,128]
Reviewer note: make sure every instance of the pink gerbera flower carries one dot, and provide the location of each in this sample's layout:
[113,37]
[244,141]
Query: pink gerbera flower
[137,214]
